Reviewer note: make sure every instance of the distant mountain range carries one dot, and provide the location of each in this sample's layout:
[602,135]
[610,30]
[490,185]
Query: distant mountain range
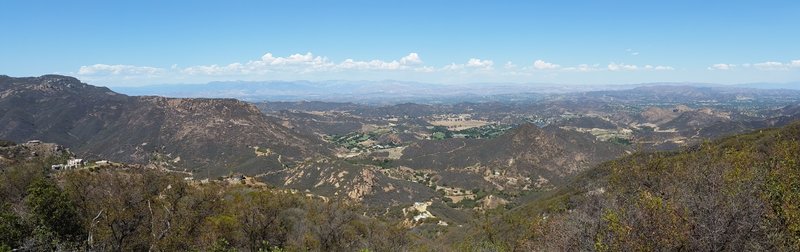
[390,91]
[376,92]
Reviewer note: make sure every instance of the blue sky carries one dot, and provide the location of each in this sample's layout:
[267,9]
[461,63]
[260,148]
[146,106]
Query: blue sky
[116,43]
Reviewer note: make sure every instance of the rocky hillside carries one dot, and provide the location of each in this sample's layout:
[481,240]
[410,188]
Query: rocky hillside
[739,193]
[206,136]
[12,153]
[528,157]
[339,179]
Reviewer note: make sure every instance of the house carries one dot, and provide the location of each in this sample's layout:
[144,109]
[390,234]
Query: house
[34,142]
[57,167]
[75,163]
[102,162]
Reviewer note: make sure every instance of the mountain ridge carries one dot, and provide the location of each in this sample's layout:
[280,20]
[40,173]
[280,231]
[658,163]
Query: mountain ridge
[209,136]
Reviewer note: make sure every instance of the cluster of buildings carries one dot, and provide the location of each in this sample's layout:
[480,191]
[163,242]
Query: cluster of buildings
[71,164]
[76,163]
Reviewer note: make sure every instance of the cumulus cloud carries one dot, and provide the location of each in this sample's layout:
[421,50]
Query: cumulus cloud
[620,67]
[310,66]
[770,65]
[479,63]
[103,69]
[721,66]
[542,65]
[411,59]
[369,65]
[302,62]
[775,65]
[763,66]
[659,68]
[298,63]
[583,68]
[625,67]
[472,64]
[306,63]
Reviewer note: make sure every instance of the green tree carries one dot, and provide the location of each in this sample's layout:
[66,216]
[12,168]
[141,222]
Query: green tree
[51,209]
[11,229]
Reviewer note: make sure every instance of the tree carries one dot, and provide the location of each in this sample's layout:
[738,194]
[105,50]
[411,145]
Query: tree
[51,209]
[12,230]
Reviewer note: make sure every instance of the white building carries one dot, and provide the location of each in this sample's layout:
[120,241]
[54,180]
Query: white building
[75,163]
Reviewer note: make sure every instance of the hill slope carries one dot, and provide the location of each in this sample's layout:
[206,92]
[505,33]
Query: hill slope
[527,156]
[738,193]
[208,136]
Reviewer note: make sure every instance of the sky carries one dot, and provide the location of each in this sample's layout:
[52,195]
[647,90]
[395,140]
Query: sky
[133,43]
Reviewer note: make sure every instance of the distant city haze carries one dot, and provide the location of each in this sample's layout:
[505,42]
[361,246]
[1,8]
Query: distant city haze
[392,92]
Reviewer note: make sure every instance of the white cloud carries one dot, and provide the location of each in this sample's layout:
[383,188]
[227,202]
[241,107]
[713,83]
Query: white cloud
[770,65]
[297,58]
[583,68]
[479,63]
[763,66]
[103,69]
[370,65]
[721,66]
[542,65]
[472,64]
[775,65]
[305,63]
[453,67]
[411,59]
[310,64]
[625,67]
[297,63]
[315,67]
[621,67]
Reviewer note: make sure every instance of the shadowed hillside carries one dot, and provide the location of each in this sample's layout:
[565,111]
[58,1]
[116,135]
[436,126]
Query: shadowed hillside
[207,136]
